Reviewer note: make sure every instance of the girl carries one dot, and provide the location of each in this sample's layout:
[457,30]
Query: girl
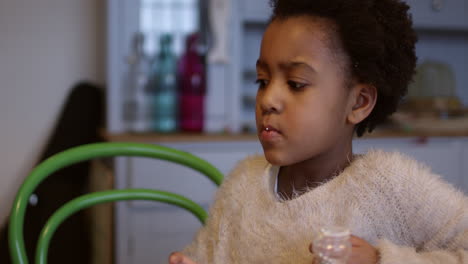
[328,69]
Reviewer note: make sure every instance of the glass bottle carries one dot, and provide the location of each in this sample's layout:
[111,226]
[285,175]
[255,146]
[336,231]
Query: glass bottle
[332,245]
[163,85]
[192,86]
[136,105]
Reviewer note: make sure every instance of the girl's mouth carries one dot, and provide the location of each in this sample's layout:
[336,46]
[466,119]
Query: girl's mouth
[270,134]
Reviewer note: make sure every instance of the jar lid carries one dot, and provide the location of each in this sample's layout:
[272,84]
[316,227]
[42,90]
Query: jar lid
[335,231]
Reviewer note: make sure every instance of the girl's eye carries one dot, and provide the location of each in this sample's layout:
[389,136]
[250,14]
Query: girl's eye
[261,83]
[296,85]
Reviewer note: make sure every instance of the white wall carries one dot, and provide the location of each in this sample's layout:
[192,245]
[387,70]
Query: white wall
[46,46]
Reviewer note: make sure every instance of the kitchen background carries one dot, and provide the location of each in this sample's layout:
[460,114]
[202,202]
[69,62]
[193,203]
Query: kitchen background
[432,126]
[50,45]
[230,66]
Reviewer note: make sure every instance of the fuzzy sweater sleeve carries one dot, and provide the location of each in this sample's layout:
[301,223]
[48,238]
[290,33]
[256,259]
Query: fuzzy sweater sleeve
[437,215]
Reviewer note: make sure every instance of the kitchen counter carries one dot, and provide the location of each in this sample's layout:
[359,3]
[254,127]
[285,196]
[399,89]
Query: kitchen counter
[199,137]
[422,127]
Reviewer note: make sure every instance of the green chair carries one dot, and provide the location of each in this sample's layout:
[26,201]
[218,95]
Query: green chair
[88,152]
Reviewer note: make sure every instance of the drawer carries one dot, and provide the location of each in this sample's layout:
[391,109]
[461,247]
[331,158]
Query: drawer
[439,14]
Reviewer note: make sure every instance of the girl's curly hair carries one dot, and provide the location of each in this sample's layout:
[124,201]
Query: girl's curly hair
[378,38]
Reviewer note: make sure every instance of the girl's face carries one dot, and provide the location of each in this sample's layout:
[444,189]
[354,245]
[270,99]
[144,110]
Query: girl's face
[303,100]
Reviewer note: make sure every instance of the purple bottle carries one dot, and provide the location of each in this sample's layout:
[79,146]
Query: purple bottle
[192,87]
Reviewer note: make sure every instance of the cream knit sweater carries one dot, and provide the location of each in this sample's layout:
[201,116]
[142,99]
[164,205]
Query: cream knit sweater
[391,201]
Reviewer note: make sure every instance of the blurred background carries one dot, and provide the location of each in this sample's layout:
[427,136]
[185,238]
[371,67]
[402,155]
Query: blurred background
[46,47]
[179,73]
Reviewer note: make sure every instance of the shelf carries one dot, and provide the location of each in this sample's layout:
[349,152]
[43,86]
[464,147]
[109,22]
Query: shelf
[179,137]
[198,137]
[397,133]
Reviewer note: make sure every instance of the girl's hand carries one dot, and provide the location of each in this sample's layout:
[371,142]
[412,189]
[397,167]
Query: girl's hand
[179,258]
[361,252]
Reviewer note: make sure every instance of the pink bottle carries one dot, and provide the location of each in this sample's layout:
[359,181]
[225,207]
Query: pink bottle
[192,87]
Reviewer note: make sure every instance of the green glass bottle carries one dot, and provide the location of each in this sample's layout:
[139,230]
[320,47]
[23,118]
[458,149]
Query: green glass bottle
[163,85]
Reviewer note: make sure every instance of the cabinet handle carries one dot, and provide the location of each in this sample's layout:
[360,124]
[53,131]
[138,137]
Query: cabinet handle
[437,5]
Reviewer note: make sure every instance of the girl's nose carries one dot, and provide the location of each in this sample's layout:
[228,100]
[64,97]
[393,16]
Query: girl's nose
[270,100]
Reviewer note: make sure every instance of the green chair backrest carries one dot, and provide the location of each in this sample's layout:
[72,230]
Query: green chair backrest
[88,152]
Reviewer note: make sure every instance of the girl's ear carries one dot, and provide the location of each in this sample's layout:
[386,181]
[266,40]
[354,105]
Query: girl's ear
[363,99]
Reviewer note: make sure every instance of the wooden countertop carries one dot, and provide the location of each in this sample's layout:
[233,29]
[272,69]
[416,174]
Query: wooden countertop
[201,137]
[397,128]
[178,137]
